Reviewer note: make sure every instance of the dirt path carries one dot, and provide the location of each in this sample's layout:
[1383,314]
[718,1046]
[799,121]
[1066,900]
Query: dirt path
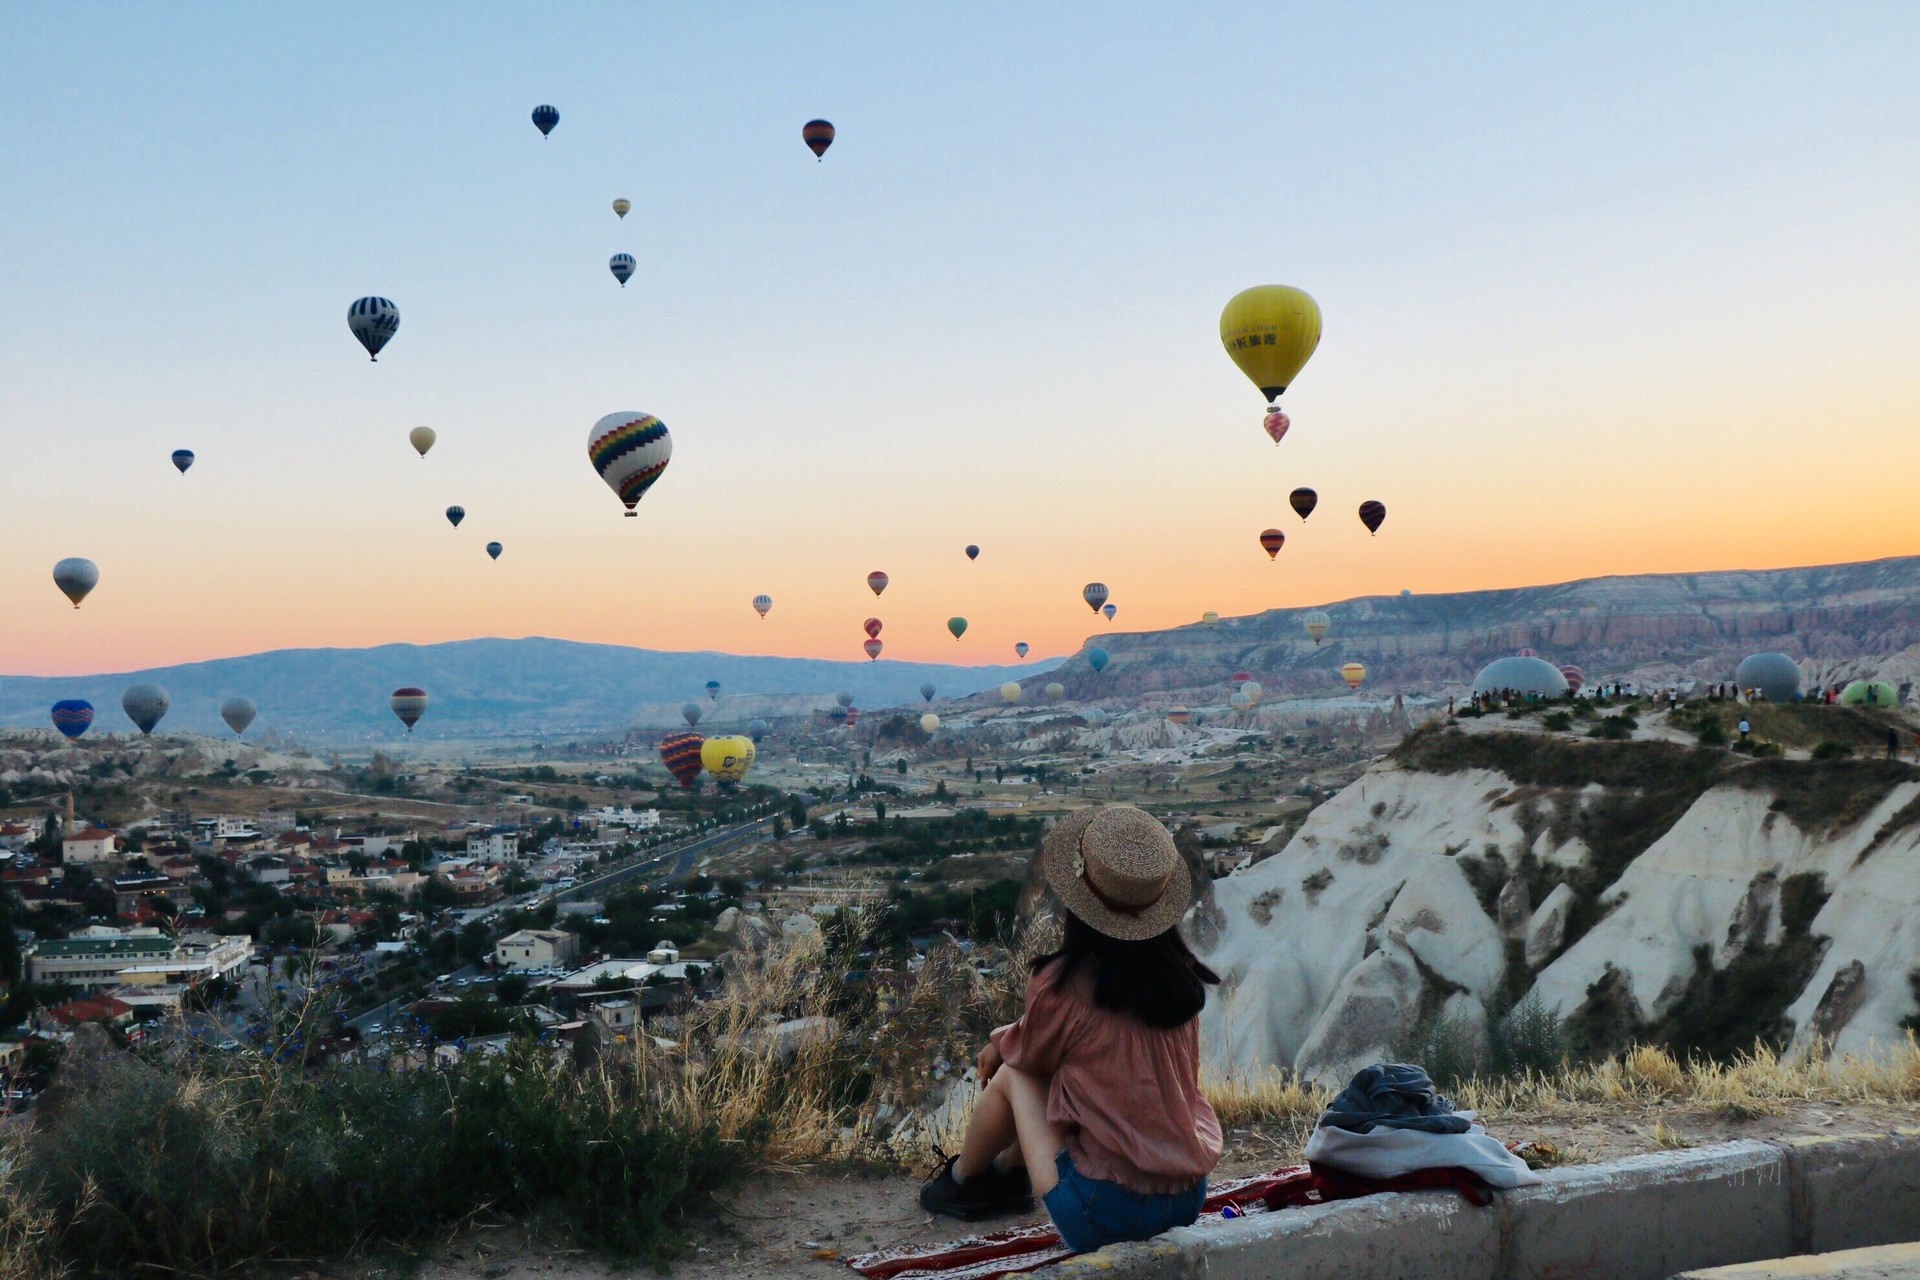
[799,1224]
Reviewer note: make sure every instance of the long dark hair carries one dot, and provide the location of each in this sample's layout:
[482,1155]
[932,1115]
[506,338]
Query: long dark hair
[1157,980]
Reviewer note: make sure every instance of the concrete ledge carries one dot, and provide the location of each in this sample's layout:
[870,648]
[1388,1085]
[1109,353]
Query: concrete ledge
[1882,1262]
[1643,1218]
[1850,1192]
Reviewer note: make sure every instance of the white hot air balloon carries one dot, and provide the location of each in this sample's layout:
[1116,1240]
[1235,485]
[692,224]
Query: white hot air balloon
[238,712]
[145,705]
[762,603]
[630,451]
[422,438]
[374,321]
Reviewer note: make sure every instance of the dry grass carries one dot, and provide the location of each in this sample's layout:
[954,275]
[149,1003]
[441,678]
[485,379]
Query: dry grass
[27,1228]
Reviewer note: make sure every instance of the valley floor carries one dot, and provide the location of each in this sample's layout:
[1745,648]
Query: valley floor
[800,1223]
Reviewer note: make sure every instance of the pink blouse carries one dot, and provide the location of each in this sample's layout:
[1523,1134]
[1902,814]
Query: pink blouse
[1126,1094]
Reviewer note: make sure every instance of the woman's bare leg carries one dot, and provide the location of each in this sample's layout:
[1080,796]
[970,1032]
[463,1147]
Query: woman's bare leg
[1011,1112]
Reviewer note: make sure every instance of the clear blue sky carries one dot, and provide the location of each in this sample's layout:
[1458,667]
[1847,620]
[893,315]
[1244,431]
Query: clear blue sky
[1669,251]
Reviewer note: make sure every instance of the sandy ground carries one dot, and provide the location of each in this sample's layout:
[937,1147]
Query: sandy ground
[802,1223]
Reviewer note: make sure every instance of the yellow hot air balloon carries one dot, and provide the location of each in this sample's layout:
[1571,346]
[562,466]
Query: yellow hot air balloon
[1270,331]
[422,439]
[1010,691]
[621,206]
[1211,618]
[728,758]
[1353,673]
[929,722]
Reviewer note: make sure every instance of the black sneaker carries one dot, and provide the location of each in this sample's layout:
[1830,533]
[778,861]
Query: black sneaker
[969,1202]
[1009,1190]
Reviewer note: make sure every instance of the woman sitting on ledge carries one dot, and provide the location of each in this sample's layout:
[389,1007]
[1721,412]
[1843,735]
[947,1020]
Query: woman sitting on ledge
[1092,1099]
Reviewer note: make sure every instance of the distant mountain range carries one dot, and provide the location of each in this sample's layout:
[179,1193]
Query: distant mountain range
[1836,620]
[493,688]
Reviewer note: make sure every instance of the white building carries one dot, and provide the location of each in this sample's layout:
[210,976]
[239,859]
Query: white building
[536,949]
[89,845]
[502,844]
[629,818]
[142,959]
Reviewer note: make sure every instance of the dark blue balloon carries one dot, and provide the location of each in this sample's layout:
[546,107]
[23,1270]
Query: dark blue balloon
[72,716]
[544,118]
[1097,659]
[183,458]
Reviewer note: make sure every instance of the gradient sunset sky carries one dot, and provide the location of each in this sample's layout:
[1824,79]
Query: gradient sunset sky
[1605,291]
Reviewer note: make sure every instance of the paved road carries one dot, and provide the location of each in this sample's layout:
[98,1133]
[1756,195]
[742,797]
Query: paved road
[385,1013]
[682,859]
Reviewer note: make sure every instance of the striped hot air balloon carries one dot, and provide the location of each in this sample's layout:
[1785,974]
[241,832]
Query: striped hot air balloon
[1316,624]
[1095,594]
[872,627]
[680,752]
[878,581]
[1210,619]
[1271,540]
[374,321]
[1021,648]
[630,450]
[762,603]
[1109,608]
[72,716]
[544,118]
[818,135]
[873,648]
[1179,715]
[1303,501]
[1353,673]
[1575,677]
[1373,515]
[1241,702]
[409,704]
[621,264]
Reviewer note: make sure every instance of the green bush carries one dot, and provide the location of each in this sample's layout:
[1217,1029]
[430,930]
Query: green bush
[1832,750]
[1559,721]
[1712,735]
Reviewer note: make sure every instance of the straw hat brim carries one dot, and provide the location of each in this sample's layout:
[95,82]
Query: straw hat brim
[1057,849]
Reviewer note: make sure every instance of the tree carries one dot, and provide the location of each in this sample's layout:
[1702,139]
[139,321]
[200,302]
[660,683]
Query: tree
[879,809]
[900,765]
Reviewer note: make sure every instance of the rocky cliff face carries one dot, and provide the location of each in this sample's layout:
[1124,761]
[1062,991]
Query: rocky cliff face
[1642,889]
[1838,619]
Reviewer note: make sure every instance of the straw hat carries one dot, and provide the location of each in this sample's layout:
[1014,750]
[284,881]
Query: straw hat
[1116,868]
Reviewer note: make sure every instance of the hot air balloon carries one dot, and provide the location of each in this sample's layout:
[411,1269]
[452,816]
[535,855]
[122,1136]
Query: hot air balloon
[758,728]
[374,321]
[818,135]
[1275,423]
[621,206]
[680,752]
[872,627]
[1210,619]
[421,438]
[691,713]
[1056,691]
[1575,677]
[1010,691]
[544,118]
[1097,659]
[1095,594]
[1271,540]
[75,576]
[630,451]
[1304,501]
[494,549]
[1240,702]
[409,704]
[878,581]
[455,515]
[844,698]
[926,693]
[1353,673]
[71,716]
[145,704]
[762,603]
[1094,717]
[873,648]
[1525,653]
[1109,609]
[837,714]
[621,264]
[182,459]
[1252,689]
[1270,331]
[1179,715]
[1020,648]
[929,722]
[1315,624]
[1239,678]
[727,758]
[853,715]
[1373,515]
[713,690]
[958,626]
[238,712]
[973,552]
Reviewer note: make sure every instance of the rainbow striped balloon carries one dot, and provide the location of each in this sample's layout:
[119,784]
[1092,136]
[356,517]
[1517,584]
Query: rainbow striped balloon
[629,450]
[680,752]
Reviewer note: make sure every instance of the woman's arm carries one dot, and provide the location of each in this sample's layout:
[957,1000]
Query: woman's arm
[989,1060]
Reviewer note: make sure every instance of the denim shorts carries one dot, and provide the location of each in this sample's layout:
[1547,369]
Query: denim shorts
[1090,1212]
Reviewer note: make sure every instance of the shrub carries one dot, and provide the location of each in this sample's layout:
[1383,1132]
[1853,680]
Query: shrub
[1712,735]
[1559,721]
[1832,750]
